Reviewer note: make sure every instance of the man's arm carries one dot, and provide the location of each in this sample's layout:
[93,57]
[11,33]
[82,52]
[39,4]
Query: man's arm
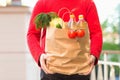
[33,35]
[95,30]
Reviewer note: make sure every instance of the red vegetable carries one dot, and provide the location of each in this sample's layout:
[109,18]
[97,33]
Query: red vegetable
[72,33]
[80,33]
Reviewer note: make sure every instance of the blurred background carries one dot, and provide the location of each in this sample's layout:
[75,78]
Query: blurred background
[16,62]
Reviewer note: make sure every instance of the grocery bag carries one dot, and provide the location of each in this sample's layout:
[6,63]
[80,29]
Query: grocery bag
[67,56]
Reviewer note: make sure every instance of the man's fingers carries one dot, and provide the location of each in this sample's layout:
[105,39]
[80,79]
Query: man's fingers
[90,62]
[43,64]
[87,73]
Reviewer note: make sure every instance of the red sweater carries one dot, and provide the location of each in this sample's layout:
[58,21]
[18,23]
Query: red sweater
[36,38]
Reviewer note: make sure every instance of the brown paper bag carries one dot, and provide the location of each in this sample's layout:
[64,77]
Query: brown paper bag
[67,56]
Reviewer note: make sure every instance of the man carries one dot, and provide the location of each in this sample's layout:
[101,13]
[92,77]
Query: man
[66,68]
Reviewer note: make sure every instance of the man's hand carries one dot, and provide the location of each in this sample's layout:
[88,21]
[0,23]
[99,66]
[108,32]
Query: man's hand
[43,63]
[91,62]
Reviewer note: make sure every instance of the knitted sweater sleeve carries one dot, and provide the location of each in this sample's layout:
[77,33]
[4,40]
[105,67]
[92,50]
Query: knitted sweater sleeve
[33,35]
[95,30]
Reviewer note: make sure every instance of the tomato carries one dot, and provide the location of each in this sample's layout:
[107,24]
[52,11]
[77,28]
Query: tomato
[80,33]
[72,33]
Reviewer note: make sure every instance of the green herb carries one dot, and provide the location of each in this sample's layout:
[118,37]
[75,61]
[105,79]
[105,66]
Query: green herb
[42,20]
[53,15]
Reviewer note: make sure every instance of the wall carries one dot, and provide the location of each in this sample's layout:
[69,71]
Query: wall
[15,61]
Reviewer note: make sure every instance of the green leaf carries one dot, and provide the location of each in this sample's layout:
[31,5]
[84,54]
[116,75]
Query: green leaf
[58,26]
